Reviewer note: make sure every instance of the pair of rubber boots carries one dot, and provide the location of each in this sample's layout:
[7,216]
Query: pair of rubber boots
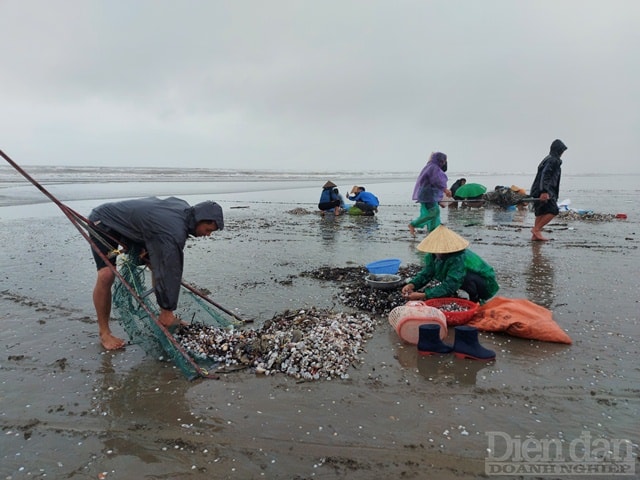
[466,344]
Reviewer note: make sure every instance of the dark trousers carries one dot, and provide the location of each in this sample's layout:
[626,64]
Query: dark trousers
[366,208]
[475,286]
[329,205]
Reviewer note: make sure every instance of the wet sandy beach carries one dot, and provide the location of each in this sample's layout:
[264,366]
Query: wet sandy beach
[71,410]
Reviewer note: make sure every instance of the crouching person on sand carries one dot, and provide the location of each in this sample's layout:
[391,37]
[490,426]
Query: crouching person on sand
[161,228]
[367,202]
[450,262]
[330,199]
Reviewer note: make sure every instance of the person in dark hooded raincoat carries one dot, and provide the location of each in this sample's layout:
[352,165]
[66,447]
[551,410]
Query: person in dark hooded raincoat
[160,227]
[454,266]
[546,187]
[430,188]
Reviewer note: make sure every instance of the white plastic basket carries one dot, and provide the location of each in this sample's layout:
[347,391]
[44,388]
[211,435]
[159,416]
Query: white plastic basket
[406,320]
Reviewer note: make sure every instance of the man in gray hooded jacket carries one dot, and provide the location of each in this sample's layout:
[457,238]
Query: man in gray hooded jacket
[546,187]
[160,227]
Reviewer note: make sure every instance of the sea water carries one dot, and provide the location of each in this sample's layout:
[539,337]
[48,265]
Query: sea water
[91,185]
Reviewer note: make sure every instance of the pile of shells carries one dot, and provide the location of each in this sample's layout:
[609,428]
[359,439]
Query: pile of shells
[300,211]
[363,297]
[354,291]
[338,274]
[307,344]
[589,216]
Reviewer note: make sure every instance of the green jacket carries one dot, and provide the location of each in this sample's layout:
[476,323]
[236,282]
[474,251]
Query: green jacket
[450,271]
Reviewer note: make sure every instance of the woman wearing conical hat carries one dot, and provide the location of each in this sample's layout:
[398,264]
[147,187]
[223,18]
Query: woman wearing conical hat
[330,199]
[450,262]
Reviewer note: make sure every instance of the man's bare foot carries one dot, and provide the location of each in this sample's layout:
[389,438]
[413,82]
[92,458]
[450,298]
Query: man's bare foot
[412,230]
[111,342]
[536,236]
[176,326]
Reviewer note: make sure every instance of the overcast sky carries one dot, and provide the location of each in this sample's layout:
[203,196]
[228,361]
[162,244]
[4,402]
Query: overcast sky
[323,85]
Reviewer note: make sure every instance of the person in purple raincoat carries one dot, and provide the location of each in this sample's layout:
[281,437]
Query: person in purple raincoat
[430,188]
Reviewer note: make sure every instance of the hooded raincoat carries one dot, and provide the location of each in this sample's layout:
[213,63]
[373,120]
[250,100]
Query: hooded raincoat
[162,227]
[451,270]
[549,171]
[432,180]
[429,190]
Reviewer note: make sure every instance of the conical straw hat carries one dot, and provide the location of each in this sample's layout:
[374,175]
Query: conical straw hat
[329,184]
[443,240]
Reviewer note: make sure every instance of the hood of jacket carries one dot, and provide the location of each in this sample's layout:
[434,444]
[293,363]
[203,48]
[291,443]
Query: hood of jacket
[557,148]
[207,211]
[432,180]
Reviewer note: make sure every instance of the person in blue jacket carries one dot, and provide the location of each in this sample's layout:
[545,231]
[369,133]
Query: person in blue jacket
[330,199]
[365,201]
[158,227]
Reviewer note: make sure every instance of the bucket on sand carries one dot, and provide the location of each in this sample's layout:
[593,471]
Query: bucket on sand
[385,281]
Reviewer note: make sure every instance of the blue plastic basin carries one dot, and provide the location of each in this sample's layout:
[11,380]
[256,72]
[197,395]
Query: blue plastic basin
[387,265]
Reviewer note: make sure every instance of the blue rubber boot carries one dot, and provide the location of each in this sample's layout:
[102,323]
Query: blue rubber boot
[466,344]
[429,342]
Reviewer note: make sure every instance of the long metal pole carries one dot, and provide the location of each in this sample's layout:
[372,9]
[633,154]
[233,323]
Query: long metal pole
[220,307]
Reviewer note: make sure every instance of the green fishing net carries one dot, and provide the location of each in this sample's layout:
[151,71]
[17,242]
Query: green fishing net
[133,312]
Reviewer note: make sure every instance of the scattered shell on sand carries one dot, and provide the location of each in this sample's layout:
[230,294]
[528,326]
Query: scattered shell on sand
[307,344]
